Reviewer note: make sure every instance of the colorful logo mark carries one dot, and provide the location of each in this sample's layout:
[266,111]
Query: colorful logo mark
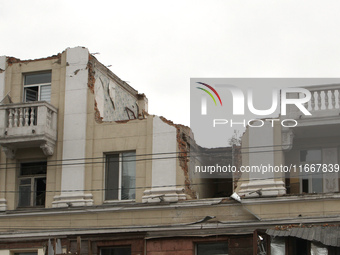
[212,89]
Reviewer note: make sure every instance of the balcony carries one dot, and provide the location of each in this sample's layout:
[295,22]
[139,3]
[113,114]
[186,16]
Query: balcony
[324,105]
[27,125]
[324,120]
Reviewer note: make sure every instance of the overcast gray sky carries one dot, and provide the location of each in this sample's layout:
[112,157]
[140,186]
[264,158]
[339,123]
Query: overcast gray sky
[157,46]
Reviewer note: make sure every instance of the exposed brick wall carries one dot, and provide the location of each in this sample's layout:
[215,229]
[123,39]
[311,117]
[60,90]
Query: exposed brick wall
[91,79]
[237,245]
[12,60]
[187,144]
[174,246]
[28,244]
[23,245]
[241,245]
[184,134]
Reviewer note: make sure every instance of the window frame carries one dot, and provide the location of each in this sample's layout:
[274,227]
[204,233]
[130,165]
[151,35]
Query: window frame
[120,176]
[310,175]
[39,85]
[33,185]
[24,251]
[212,242]
[115,247]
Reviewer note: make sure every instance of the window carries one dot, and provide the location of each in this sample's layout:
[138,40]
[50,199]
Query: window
[37,87]
[120,176]
[212,248]
[311,182]
[124,250]
[32,184]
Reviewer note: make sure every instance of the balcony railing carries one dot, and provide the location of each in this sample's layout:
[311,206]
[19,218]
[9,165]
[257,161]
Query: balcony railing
[324,98]
[324,102]
[26,125]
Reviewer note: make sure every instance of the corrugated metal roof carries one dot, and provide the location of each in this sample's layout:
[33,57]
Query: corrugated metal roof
[327,235]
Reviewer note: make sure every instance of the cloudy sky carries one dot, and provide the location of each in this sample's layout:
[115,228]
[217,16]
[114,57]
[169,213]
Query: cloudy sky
[157,46]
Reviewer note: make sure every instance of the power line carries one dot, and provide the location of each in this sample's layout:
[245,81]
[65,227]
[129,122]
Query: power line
[197,152]
[181,155]
[223,181]
[212,153]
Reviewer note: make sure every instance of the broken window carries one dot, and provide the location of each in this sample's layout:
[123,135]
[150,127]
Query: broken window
[37,87]
[219,248]
[123,250]
[32,184]
[120,176]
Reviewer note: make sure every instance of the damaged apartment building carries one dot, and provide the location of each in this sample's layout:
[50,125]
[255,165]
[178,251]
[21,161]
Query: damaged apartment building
[301,197]
[85,169]
[83,165]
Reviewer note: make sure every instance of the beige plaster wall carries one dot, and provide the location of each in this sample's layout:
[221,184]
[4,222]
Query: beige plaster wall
[300,208]
[14,85]
[229,212]
[101,138]
[128,217]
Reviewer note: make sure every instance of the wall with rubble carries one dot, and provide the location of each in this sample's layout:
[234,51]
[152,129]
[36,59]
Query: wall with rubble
[113,102]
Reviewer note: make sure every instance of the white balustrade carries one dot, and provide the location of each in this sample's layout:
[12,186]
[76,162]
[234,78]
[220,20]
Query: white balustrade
[324,103]
[21,116]
[25,116]
[31,124]
[324,99]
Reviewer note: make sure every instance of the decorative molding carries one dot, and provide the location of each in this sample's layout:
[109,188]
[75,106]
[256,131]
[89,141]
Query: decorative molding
[287,139]
[48,148]
[72,200]
[156,195]
[3,204]
[10,153]
[262,188]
